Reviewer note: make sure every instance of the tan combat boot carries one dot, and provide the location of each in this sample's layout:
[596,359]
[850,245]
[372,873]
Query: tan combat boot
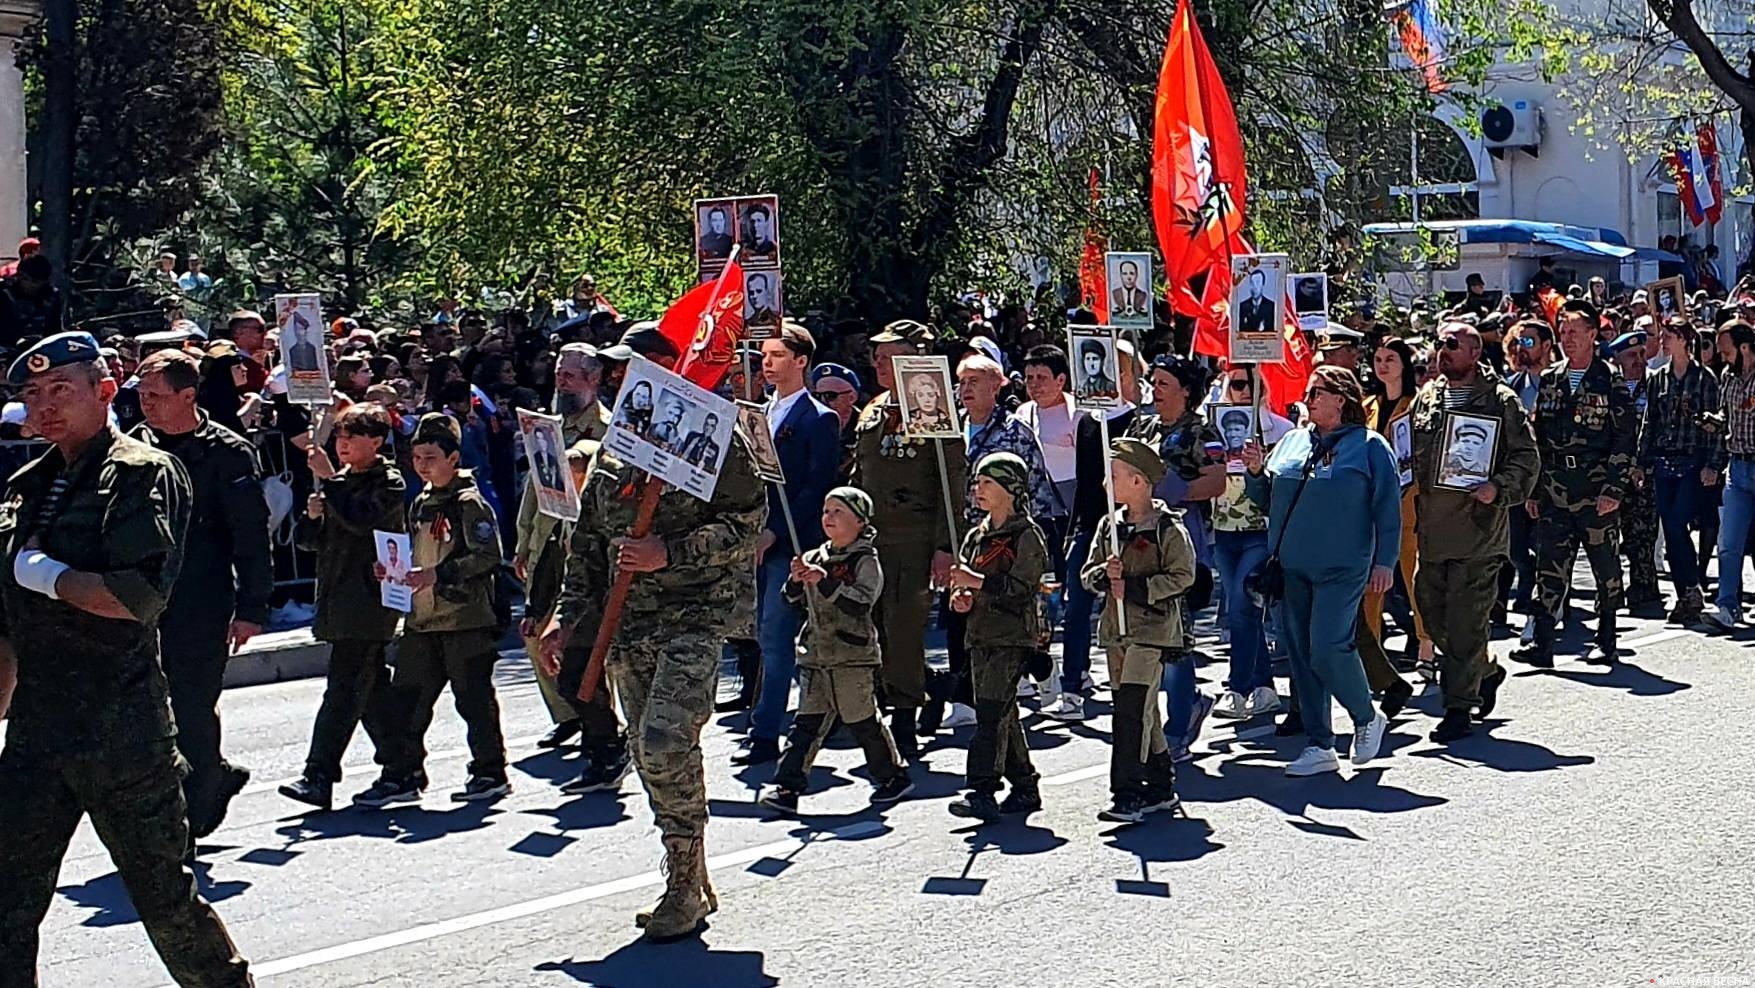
[685,902]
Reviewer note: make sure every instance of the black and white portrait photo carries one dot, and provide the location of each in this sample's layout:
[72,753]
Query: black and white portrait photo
[1129,280]
[1469,444]
[1310,300]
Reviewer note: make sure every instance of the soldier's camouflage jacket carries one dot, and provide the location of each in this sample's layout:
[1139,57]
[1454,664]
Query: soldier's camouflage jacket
[1012,557]
[452,531]
[1450,523]
[840,634]
[1586,439]
[1157,568]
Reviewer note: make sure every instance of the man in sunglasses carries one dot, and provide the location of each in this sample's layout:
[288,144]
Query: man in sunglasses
[1586,433]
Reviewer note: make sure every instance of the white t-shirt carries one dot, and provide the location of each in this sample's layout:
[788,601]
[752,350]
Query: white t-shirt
[779,408]
[1055,428]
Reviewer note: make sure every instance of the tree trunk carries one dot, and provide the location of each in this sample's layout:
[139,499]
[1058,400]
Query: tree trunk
[59,130]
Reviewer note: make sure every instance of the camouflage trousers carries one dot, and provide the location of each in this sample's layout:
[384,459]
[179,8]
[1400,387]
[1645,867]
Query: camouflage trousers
[1560,532]
[666,679]
[1639,533]
[135,800]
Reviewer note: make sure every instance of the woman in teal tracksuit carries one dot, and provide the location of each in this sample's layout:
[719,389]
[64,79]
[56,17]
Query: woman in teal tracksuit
[1337,536]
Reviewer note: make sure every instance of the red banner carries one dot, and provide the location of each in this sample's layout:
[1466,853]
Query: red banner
[1093,280]
[705,326]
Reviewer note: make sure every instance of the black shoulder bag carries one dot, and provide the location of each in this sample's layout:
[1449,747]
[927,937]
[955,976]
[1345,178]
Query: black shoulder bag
[1269,580]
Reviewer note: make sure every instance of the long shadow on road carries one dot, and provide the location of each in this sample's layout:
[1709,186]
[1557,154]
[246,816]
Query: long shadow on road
[688,963]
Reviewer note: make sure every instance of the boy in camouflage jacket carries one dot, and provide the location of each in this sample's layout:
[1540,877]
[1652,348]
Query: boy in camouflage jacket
[995,582]
[1149,577]
[841,580]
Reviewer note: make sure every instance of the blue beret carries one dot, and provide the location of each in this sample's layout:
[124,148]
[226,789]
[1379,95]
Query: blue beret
[835,371]
[1614,347]
[54,351]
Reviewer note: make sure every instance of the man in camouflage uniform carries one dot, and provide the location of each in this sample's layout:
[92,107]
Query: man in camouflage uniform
[913,545]
[92,533]
[1639,517]
[1585,433]
[664,659]
[1464,536]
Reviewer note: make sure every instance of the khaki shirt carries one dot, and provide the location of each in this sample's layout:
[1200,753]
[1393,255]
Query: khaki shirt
[452,531]
[842,634]
[1006,612]
[1451,524]
[1157,568]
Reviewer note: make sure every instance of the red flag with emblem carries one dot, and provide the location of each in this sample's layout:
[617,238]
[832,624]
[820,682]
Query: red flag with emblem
[705,326]
[1198,178]
[1093,290]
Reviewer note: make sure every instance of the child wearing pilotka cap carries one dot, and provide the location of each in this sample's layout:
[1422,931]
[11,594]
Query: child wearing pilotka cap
[1154,569]
[841,579]
[995,581]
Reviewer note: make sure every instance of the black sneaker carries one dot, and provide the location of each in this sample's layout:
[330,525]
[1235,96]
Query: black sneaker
[560,735]
[599,773]
[389,792]
[1163,801]
[311,792]
[1600,655]
[1127,808]
[1490,684]
[1395,698]
[900,785]
[781,799]
[1289,725]
[231,782]
[976,806]
[1454,727]
[1021,800]
[760,752]
[482,788]
[1539,656]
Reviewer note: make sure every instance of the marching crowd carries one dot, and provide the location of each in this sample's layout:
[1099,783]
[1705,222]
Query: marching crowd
[1583,419]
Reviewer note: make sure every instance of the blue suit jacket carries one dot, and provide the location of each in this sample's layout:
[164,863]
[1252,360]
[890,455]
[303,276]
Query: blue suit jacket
[809,444]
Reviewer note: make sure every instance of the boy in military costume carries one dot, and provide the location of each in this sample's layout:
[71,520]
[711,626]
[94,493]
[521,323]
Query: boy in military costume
[995,583]
[450,638]
[367,494]
[1153,571]
[664,660]
[841,579]
[93,532]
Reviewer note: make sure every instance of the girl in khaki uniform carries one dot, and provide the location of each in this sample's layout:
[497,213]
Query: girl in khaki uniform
[1154,569]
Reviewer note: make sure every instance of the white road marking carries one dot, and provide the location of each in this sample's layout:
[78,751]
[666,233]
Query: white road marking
[547,903]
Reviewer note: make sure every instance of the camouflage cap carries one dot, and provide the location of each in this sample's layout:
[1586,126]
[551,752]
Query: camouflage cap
[904,331]
[1140,456]
[439,429]
[856,500]
[52,352]
[1009,471]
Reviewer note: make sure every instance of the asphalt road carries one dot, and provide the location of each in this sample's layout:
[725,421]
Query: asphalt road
[1596,834]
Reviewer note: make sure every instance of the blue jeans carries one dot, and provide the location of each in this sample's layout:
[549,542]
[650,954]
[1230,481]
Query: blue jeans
[777,627]
[1237,555]
[1178,685]
[1679,493]
[1733,532]
[1075,638]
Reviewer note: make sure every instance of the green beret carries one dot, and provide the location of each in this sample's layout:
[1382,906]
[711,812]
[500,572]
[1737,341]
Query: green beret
[54,351]
[856,500]
[1139,455]
[904,331]
[439,429]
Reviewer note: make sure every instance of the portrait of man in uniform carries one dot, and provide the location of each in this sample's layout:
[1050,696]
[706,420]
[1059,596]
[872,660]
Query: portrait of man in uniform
[1255,313]
[758,231]
[1091,374]
[302,355]
[715,233]
[699,449]
[1469,442]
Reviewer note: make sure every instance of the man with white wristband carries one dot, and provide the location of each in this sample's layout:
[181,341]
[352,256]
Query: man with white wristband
[93,532]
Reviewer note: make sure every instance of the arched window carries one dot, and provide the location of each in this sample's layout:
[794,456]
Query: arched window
[1378,161]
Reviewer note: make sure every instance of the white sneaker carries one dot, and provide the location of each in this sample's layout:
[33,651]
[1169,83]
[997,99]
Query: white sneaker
[1026,688]
[1231,706]
[1529,633]
[1369,738]
[960,715]
[1048,693]
[1314,761]
[1263,700]
[1070,706]
[1725,618]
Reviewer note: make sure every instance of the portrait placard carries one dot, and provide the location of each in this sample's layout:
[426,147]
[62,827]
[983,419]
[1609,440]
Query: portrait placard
[923,387]
[1401,439]
[1236,427]
[752,223]
[1258,289]
[1096,369]
[550,477]
[1465,460]
[671,427]
[1128,301]
[396,555]
[303,351]
[1665,298]
[752,423]
[1310,300]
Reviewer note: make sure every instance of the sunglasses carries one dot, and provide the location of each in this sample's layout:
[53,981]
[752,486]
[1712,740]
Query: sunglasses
[828,396]
[1313,392]
[1526,341]
[1238,385]
[1452,343]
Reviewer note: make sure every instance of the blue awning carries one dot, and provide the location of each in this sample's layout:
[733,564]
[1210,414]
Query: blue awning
[1586,240]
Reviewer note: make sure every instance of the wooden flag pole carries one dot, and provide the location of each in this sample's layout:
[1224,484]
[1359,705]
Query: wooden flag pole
[797,550]
[944,483]
[1109,508]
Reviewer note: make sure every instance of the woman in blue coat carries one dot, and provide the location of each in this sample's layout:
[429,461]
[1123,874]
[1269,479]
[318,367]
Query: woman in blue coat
[1333,499]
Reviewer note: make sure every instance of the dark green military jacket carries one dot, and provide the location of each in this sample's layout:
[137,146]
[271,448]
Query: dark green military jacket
[228,565]
[1012,557]
[901,475]
[840,634]
[711,548]
[1157,568]
[1586,439]
[87,683]
[1450,523]
[354,506]
[452,531]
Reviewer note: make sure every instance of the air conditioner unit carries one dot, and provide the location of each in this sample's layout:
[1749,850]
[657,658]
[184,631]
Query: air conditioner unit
[1516,125]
